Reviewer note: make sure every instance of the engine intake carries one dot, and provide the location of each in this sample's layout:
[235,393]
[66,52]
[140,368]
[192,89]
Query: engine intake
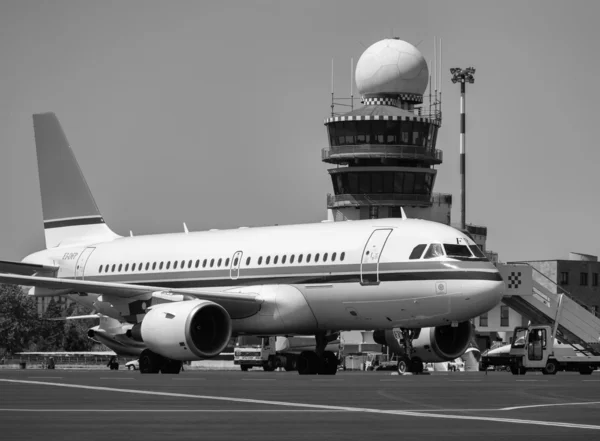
[188,330]
[432,345]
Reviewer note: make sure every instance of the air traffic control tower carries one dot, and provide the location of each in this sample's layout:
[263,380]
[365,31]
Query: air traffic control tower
[385,152]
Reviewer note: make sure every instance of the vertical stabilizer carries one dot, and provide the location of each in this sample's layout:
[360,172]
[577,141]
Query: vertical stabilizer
[70,212]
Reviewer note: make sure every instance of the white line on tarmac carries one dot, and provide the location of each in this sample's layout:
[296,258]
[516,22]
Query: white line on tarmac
[46,377]
[187,379]
[531,380]
[170,410]
[258,379]
[116,378]
[583,403]
[311,406]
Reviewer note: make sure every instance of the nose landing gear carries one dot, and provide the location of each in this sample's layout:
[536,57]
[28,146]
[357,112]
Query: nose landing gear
[407,363]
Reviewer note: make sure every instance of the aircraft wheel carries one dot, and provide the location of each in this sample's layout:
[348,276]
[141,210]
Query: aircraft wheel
[244,367]
[308,363]
[290,363]
[404,365]
[329,364]
[150,362]
[586,370]
[171,366]
[416,366]
[514,370]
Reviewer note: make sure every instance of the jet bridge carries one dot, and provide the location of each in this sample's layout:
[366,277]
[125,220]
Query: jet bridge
[537,297]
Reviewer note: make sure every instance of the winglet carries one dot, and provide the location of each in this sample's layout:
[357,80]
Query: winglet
[185,228]
[403,213]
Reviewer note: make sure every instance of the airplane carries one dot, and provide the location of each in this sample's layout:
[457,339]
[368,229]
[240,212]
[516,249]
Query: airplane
[184,295]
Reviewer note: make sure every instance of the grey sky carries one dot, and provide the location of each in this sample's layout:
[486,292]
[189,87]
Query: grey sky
[212,112]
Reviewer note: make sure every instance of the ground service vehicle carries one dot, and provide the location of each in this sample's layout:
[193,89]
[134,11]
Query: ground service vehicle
[534,348]
[263,354]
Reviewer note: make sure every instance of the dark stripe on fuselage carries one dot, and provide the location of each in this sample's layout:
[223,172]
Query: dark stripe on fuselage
[73,222]
[310,279]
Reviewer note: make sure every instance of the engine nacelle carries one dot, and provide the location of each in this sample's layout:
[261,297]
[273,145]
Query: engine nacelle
[188,330]
[433,345]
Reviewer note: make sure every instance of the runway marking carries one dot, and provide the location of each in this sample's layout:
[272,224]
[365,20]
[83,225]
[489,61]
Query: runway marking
[173,410]
[187,379]
[258,379]
[47,377]
[589,380]
[583,403]
[464,381]
[531,380]
[314,406]
[116,378]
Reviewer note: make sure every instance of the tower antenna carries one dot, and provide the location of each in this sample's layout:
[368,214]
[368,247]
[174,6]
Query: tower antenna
[352,83]
[332,99]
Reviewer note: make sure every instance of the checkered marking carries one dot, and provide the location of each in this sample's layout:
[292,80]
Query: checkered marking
[514,280]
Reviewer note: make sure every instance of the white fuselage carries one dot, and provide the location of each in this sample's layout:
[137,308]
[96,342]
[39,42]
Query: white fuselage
[358,276]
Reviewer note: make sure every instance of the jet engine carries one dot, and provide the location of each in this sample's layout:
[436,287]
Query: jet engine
[432,345]
[187,330]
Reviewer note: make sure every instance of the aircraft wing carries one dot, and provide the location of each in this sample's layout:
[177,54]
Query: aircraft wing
[237,304]
[26,269]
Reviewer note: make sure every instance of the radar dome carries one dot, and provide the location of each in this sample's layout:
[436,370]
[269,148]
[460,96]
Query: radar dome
[391,67]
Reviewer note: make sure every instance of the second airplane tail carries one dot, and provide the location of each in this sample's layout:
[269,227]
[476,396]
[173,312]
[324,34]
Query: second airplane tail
[70,212]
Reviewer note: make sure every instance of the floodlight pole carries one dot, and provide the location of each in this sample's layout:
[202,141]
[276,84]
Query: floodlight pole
[463,76]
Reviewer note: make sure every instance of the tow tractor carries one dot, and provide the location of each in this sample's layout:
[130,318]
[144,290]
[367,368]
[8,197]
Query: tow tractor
[534,348]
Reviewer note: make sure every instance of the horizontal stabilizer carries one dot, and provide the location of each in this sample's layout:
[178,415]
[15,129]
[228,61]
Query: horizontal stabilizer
[26,269]
[76,317]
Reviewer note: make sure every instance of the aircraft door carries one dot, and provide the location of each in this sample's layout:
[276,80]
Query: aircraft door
[236,262]
[369,265]
[83,258]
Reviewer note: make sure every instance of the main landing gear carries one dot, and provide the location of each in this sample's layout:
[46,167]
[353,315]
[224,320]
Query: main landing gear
[319,361]
[407,363]
[152,363]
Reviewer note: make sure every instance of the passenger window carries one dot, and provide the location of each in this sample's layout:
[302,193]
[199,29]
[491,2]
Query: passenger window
[434,250]
[154,266]
[127,267]
[100,269]
[342,256]
[417,251]
[190,264]
[113,268]
[204,263]
[168,264]
[140,266]
[325,257]
[235,262]
[227,262]
[248,261]
[183,264]
[268,260]
[212,262]
[333,256]
[175,265]
[147,266]
[120,267]
[292,259]
[317,257]
[219,263]
[197,263]
[308,258]
[260,260]
[275,260]
[283,259]
[133,267]
[160,265]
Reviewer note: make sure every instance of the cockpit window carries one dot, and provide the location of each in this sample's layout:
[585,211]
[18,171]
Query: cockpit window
[434,250]
[457,251]
[476,251]
[417,252]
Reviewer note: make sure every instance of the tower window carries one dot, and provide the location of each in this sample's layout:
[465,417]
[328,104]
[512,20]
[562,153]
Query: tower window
[583,279]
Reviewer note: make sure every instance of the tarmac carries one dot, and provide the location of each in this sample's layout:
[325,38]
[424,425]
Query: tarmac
[224,405]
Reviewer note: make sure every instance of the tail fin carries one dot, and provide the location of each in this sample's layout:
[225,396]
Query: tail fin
[70,212]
